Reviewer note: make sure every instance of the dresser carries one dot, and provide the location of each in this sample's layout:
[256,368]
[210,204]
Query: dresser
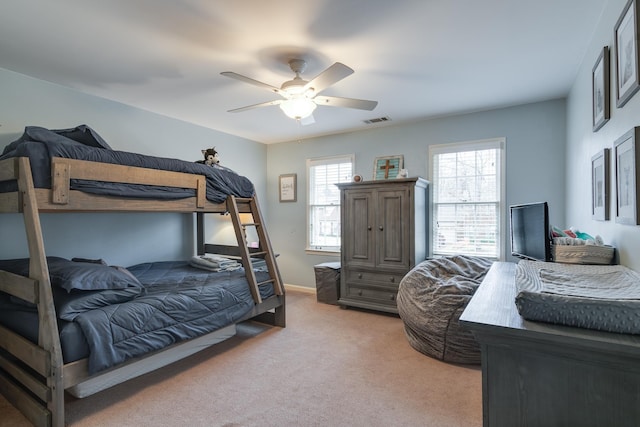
[384,235]
[541,374]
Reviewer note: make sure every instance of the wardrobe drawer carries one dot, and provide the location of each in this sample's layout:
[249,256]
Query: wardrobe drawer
[382,295]
[381,278]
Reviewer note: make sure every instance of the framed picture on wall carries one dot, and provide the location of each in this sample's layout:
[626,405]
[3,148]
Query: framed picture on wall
[626,173]
[287,184]
[600,89]
[387,167]
[626,42]
[600,186]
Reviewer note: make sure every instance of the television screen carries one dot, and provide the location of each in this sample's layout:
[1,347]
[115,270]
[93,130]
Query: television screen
[530,237]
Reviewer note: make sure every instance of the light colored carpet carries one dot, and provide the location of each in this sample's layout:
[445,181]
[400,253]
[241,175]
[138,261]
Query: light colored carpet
[328,367]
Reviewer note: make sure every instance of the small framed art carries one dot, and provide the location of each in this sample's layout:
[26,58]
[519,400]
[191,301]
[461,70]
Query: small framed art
[626,173]
[600,88]
[387,167]
[287,185]
[626,42]
[600,186]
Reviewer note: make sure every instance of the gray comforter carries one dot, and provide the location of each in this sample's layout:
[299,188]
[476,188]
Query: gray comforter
[178,302]
[173,302]
[83,143]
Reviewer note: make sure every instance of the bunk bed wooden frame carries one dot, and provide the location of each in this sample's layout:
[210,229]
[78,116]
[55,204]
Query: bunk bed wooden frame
[34,377]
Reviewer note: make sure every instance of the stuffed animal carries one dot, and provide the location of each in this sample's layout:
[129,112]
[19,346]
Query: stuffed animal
[210,157]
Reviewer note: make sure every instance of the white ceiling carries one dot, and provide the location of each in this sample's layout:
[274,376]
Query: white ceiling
[419,58]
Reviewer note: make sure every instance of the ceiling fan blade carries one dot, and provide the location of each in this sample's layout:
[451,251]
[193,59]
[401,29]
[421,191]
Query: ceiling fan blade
[309,120]
[251,81]
[331,75]
[262,104]
[334,101]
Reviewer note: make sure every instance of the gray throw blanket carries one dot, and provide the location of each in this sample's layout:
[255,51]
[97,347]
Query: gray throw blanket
[601,297]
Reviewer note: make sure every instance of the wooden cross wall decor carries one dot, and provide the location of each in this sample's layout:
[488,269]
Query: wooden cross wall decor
[386,168]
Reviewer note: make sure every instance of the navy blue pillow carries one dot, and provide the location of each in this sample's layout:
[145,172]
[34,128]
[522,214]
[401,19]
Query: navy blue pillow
[85,135]
[82,134]
[68,275]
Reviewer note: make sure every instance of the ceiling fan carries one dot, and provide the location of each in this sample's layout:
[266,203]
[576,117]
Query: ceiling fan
[300,97]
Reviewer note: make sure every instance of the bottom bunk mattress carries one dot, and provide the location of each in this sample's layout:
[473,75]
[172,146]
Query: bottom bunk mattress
[174,302]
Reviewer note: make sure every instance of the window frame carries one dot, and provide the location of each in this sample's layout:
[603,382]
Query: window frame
[498,143]
[317,161]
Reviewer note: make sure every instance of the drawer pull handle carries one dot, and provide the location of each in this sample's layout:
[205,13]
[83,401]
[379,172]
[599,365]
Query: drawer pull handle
[359,293]
[369,228]
[380,228]
[393,279]
[359,275]
[393,297]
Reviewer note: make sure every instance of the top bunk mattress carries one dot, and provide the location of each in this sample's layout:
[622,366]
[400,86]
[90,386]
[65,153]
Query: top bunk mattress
[40,145]
[605,298]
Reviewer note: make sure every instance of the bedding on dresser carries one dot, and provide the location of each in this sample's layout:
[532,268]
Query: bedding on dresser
[83,143]
[601,297]
[142,308]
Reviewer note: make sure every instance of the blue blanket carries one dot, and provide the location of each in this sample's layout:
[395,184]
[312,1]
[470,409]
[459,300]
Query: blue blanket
[179,302]
[40,145]
[175,302]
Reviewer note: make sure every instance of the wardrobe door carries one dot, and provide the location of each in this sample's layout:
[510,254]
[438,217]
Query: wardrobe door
[392,228]
[359,222]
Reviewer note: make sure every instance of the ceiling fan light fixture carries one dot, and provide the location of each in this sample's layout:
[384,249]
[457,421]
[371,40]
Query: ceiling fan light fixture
[301,96]
[298,108]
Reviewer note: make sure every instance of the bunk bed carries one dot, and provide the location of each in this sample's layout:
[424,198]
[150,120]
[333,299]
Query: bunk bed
[74,170]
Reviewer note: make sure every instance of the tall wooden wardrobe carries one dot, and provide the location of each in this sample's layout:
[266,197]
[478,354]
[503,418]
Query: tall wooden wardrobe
[384,235]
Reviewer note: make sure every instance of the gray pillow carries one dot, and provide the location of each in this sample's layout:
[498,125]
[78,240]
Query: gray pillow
[70,275]
[82,134]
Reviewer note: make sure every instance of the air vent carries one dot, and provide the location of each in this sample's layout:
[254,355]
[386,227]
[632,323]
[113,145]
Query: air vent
[377,120]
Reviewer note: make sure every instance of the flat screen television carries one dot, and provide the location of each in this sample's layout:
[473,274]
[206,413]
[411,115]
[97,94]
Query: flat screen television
[530,232]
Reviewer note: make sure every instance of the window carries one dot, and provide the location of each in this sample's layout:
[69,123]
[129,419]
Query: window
[468,193]
[324,201]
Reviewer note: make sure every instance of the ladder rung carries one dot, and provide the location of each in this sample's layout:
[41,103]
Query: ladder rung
[266,281]
[243,200]
[250,224]
[254,254]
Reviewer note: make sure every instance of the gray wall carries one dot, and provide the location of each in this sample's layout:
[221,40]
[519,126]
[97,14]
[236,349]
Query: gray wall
[583,143]
[535,136]
[122,239]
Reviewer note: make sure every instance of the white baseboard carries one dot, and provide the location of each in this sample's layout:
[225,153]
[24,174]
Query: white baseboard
[299,288]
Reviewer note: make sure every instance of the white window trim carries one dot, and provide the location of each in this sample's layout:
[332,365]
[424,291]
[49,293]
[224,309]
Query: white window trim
[480,144]
[320,161]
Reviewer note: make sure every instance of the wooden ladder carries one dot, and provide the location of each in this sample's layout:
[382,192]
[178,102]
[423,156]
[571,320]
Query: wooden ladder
[236,206]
